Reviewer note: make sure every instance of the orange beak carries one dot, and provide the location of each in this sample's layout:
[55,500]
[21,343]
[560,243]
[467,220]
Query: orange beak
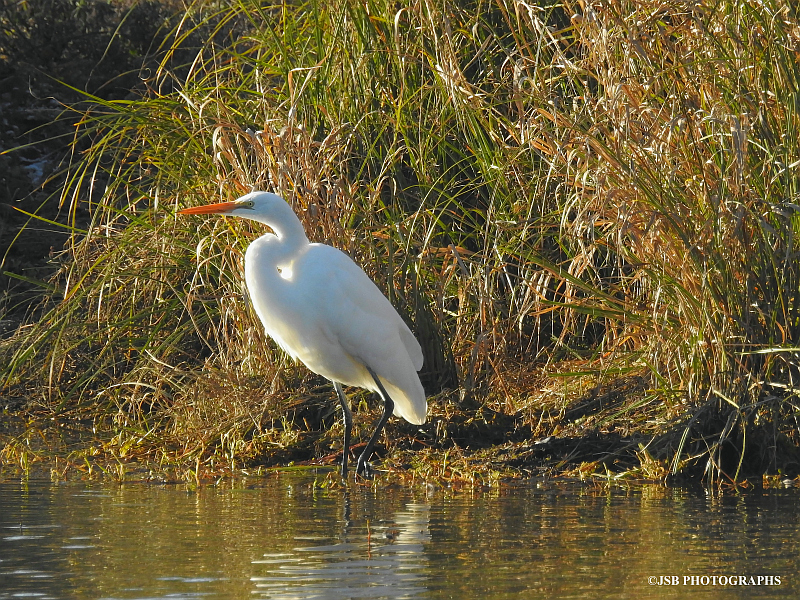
[209,209]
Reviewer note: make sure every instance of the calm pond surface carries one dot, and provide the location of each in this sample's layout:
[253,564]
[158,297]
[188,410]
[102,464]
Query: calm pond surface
[283,537]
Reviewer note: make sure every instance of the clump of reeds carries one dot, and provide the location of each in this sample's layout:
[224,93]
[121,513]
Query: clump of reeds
[612,185]
[686,213]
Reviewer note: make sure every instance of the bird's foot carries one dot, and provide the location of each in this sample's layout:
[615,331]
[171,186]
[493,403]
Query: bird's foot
[364,469]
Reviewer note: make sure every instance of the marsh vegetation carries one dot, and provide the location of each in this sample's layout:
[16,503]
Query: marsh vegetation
[588,213]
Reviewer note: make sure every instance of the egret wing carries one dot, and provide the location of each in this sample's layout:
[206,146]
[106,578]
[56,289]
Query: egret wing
[357,312]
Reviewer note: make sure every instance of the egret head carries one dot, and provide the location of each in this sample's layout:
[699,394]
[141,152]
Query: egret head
[264,207]
[249,206]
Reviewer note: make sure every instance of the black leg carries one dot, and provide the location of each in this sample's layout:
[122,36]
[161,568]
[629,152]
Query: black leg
[348,425]
[362,466]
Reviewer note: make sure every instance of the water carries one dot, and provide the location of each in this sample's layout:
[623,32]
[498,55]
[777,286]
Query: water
[282,537]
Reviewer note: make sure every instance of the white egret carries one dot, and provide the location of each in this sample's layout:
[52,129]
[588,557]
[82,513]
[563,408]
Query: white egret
[323,310]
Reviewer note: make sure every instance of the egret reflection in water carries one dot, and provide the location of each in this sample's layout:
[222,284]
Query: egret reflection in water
[385,560]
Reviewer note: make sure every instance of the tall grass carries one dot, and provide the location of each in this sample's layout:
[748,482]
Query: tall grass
[695,193]
[613,184]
